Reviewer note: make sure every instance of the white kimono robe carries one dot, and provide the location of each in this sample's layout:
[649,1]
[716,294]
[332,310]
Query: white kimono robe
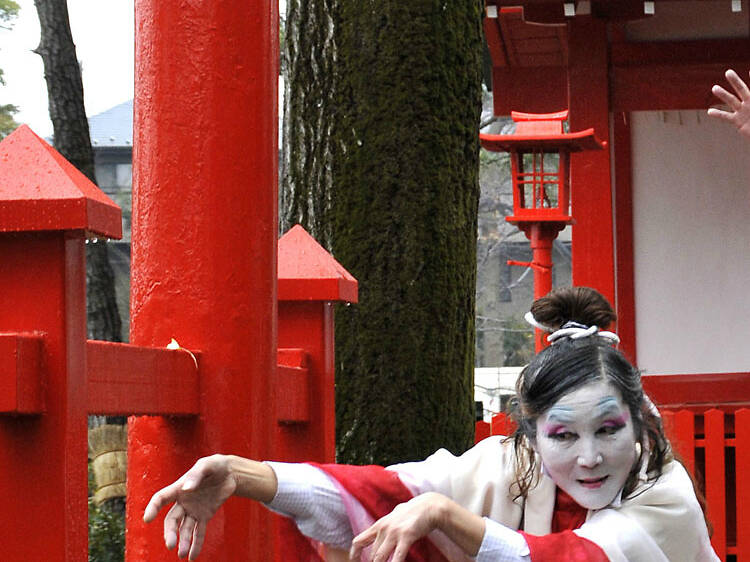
[660,521]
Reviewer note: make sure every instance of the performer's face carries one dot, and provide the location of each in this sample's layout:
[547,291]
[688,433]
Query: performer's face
[587,443]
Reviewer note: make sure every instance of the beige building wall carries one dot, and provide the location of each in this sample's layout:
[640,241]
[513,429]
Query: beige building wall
[691,207]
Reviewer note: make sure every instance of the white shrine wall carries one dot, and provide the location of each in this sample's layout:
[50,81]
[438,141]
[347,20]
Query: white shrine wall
[691,215]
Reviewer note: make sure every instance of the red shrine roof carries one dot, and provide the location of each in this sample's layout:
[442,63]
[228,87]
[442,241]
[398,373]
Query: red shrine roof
[41,190]
[307,272]
[541,131]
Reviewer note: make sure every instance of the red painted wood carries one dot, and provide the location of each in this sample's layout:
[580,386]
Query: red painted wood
[684,438]
[204,248]
[127,380]
[40,190]
[43,471]
[292,387]
[532,89]
[306,350]
[625,281]
[668,87]
[308,272]
[721,389]
[741,471]
[502,424]
[482,430]
[21,360]
[715,479]
[588,95]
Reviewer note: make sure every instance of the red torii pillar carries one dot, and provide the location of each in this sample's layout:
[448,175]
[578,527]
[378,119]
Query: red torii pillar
[204,247]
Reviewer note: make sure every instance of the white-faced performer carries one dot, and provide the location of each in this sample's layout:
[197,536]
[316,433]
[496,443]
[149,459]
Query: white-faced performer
[739,104]
[587,476]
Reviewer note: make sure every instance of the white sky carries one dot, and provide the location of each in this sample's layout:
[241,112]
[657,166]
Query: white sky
[103,33]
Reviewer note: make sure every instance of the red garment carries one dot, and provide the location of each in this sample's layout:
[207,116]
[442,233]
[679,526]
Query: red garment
[562,543]
[379,491]
[563,546]
[568,515]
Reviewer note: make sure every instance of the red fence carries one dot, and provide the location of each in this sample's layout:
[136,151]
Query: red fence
[715,447]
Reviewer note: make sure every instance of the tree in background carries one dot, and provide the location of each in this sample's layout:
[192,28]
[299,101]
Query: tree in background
[382,122]
[71,138]
[8,11]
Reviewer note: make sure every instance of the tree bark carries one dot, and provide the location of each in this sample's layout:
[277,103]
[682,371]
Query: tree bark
[309,112]
[401,209]
[71,138]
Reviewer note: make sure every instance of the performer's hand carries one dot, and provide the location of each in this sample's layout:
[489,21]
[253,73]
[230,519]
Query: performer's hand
[739,104]
[196,496]
[394,534]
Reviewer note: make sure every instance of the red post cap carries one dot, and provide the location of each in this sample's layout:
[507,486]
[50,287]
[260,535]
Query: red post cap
[41,190]
[307,272]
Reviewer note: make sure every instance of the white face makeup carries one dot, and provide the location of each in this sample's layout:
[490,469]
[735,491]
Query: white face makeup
[587,443]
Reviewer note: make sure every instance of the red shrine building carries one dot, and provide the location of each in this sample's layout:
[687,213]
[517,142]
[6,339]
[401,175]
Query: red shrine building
[660,214]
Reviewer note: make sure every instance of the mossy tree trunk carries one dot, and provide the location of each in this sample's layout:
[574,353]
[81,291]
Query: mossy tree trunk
[402,213]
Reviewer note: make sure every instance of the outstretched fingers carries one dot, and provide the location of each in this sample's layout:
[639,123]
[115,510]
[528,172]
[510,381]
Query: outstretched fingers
[362,541]
[740,88]
[187,530]
[161,498]
[732,101]
[199,535]
[172,523]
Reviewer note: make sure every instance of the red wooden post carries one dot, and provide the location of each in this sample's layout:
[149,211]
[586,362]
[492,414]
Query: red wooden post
[741,470]
[588,96]
[46,207]
[204,247]
[684,434]
[715,479]
[310,281]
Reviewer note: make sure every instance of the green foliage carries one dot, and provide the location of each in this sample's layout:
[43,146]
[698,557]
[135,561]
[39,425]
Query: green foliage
[106,529]
[7,122]
[8,11]
[106,534]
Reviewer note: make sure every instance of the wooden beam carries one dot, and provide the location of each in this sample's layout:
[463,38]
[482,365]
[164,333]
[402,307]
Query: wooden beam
[682,53]
[128,380]
[715,389]
[672,74]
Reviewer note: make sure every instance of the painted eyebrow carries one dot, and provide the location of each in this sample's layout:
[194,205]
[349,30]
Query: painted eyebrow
[606,406]
[560,414]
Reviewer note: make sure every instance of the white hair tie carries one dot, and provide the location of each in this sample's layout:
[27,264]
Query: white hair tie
[529,317]
[575,331]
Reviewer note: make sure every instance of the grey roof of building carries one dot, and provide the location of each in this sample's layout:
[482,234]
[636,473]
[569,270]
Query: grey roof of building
[113,127]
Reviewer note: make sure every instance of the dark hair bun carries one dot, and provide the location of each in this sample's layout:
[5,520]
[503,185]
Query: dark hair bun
[577,304]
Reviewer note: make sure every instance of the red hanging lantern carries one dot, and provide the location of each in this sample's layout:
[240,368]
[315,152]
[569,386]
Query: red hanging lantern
[540,167]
